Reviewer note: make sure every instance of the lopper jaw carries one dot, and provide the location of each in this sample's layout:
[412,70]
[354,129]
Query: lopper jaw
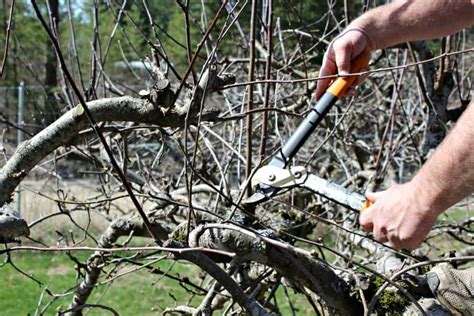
[269,180]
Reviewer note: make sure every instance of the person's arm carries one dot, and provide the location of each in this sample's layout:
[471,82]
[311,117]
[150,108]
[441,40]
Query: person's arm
[412,20]
[394,23]
[404,214]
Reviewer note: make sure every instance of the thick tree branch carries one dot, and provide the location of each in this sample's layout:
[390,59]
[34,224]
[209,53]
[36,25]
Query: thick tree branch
[64,131]
[205,263]
[298,266]
[436,97]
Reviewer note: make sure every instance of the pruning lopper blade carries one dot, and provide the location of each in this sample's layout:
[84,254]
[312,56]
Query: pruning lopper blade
[275,179]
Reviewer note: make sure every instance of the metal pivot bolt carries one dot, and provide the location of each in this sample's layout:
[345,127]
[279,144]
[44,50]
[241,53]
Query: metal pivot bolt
[297,174]
[271,177]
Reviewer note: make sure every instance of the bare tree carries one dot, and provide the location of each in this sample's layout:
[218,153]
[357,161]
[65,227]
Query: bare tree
[213,117]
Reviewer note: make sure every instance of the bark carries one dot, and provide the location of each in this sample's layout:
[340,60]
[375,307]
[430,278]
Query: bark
[297,266]
[51,76]
[12,225]
[437,98]
[51,66]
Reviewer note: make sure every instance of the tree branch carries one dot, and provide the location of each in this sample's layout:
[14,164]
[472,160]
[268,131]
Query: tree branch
[120,227]
[65,130]
[298,266]
[205,263]
[11,224]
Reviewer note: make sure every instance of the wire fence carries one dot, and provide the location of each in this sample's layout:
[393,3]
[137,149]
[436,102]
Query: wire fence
[23,110]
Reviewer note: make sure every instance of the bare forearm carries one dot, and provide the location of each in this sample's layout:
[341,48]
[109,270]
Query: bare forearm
[448,176]
[405,213]
[410,20]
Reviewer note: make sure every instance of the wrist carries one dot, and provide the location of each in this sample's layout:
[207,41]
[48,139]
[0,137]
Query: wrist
[364,26]
[370,42]
[381,26]
[428,196]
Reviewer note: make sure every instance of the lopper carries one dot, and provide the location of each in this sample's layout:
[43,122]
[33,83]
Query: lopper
[279,174]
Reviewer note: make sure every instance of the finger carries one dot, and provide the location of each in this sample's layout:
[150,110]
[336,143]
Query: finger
[350,92]
[380,234]
[394,240]
[366,219]
[409,244]
[328,68]
[362,78]
[343,54]
[373,196]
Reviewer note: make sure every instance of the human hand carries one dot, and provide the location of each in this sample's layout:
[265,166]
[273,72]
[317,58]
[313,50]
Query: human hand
[399,216]
[337,59]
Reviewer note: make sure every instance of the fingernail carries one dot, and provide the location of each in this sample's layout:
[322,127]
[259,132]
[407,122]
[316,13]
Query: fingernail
[343,73]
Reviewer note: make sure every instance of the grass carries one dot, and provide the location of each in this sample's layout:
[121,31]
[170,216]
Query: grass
[136,293]
[139,293]
[445,243]
[456,215]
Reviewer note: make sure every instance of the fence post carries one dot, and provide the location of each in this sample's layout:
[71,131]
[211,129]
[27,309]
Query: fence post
[19,139]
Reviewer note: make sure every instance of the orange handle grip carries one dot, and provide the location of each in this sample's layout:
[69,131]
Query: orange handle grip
[339,87]
[366,205]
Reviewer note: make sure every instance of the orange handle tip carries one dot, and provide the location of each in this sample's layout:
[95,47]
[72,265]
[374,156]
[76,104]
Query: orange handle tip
[340,86]
[367,204]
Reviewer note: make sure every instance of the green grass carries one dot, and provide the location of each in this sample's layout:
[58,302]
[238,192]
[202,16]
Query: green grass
[135,293]
[138,293]
[456,215]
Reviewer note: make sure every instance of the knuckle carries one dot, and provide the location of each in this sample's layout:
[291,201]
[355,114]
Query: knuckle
[340,44]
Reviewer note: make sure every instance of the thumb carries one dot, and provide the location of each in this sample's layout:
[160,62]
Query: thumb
[373,196]
[366,216]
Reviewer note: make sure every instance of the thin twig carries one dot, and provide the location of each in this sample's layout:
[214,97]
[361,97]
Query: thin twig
[268,70]
[251,76]
[7,38]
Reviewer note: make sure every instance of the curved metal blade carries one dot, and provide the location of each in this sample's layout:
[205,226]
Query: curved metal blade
[261,195]
[334,192]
